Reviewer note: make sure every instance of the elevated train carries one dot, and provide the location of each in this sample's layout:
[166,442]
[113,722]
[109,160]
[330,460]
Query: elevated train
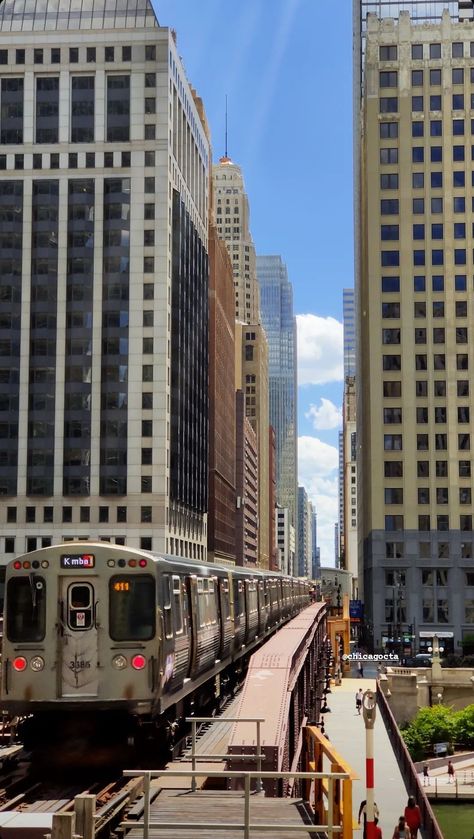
[127,637]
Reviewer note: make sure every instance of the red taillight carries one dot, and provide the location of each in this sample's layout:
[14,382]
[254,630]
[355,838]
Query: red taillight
[142,563]
[138,662]
[17,565]
[19,664]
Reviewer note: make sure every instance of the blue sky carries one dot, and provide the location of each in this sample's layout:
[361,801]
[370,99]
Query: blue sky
[286,68]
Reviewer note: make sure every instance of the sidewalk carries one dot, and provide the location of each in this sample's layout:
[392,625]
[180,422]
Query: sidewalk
[347,732]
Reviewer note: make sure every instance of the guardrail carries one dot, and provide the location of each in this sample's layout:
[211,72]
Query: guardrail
[333,830]
[431,827]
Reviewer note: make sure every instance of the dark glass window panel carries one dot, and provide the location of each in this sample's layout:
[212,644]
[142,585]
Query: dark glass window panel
[55,55]
[82,109]
[90,54]
[118,108]
[47,109]
[126,53]
[11,112]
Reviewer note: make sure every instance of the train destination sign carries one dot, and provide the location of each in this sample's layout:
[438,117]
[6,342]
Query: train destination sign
[77,561]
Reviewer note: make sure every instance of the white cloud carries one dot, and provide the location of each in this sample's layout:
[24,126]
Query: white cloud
[320,350]
[318,472]
[326,416]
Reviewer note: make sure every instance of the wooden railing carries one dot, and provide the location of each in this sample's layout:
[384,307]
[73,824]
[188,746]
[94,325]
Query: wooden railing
[407,768]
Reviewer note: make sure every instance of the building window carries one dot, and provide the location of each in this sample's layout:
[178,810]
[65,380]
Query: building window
[435,50]
[118,108]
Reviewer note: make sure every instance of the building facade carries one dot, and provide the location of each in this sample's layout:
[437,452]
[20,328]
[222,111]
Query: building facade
[233,226]
[286,541]
[305,534]
[276,307]
[315,551]
[222,442]
[104,173]
[252,377]
[415,328]
[349,324]
[349,558]
[247,480]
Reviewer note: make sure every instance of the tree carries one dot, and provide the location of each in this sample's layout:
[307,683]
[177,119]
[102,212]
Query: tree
[431,725]
[464,727]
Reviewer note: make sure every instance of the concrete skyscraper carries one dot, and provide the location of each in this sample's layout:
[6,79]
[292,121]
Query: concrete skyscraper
[104,192]
[416,325]
[233,225]
[305,534]
[349,323]
[276,307]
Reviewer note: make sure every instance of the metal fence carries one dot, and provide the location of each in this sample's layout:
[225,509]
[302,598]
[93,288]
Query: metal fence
[407,767]
[332,829]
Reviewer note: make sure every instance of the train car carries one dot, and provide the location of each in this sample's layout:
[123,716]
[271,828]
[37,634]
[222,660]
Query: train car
[96,627]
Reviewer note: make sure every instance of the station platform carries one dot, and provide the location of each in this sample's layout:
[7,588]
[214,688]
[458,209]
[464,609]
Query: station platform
[345,728]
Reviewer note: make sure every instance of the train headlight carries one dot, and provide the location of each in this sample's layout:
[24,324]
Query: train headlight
[19,663]
[119,662]
[138,662]
[44,563]
[37,663]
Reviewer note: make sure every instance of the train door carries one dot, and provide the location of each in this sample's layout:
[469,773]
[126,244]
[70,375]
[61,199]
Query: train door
[77,638]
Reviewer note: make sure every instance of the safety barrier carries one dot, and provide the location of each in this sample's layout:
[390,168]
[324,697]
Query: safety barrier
[330,827]
[431,827]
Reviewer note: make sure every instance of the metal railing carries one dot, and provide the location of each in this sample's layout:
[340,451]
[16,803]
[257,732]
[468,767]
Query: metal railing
[258,757]
[431,828]
[333,830]
[463,778]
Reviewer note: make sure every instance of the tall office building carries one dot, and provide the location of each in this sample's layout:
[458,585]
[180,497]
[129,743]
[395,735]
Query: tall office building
[349,326]
[222,446]
[233,225]
[251,376]
[340,483]
[416,326]
[305,534]
[315,551]
[276,308]
[349,559]
[104,223]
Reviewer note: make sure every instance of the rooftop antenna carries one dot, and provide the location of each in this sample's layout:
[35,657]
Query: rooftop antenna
[226,125]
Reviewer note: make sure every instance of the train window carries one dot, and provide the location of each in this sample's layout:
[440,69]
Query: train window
[167,616]
[200,585]
[132,607]
[80,606]
[26,608]
[177,606]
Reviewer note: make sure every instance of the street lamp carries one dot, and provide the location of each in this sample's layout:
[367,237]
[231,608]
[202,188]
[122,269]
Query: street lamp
[440,696]
[369,706]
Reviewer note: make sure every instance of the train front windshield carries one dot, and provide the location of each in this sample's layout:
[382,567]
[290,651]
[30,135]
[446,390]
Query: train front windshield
[26,615]
[132,607]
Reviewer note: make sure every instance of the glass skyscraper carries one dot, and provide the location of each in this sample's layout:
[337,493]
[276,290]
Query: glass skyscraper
[276,311]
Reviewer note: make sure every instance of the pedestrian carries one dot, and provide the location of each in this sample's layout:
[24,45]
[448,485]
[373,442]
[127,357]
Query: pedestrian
[359,699]
[378,830]
[401,830]
[363,812]
[426,775]
[360,669]
[413,816]
[450,772]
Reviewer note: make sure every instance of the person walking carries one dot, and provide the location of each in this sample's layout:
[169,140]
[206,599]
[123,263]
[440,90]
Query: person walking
[359,700]
[378,830]
[426,775]
[401,830]
[413,816]
[360,669]
[450,772]
[363,812]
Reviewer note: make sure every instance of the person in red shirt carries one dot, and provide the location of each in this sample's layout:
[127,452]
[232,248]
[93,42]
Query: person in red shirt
[413,816]
[378,830]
